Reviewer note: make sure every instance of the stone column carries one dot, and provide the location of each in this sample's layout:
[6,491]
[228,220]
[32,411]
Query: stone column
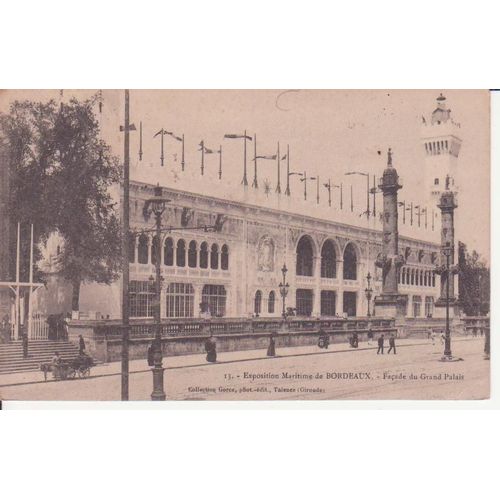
[447,206]
[339,306]
[390,302]
[317,287]
[197,299]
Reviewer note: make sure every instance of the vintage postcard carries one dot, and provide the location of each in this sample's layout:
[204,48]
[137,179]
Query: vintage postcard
[244,245]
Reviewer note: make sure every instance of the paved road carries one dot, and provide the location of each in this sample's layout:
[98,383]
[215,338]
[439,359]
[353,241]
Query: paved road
[414,373]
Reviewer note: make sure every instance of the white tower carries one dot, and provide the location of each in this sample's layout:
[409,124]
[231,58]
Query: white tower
[441,142]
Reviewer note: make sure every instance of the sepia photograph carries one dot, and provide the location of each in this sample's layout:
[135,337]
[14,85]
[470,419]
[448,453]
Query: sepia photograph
[201,245]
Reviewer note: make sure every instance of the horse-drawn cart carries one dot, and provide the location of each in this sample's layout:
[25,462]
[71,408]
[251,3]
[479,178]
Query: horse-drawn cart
[68,369]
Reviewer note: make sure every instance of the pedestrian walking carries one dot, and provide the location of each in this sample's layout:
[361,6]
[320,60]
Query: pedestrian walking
[211,349]
[392,344]
[442,338]
[271,350]
[81,345]
[380,341]
[370,336]
[433,338]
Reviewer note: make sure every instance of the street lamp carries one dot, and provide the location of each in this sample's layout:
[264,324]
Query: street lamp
[367,190]
[447,272]
[156,205]
[368,292]
[284,286]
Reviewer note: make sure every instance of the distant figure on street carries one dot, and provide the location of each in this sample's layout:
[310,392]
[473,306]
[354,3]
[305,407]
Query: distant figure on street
[370,336]
[442,338]
[355,339]
[271,350]
[433,337]
[392,344]
[151,352]
[380,341]
[323,339]
[81,345]
[211,349]
[429,333]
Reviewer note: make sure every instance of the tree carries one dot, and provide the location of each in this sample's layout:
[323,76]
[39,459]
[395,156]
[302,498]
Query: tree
[63,173]
[473,282]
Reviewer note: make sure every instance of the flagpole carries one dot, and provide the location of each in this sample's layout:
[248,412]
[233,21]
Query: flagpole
[30,302]
[220,162]
[341,196]
[352,205]
[202,156]
[305,185]
[374,197]
[182,161]
[329,193]
[244,181]
[140,141]
[162,157]
[287,190]
[254,183]
[18,250]
[317,190]
[278,186]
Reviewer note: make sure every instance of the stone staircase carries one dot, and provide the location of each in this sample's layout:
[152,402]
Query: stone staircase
[40,351]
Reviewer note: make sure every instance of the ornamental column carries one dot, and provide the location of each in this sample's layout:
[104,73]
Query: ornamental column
[447,205]
[390,302]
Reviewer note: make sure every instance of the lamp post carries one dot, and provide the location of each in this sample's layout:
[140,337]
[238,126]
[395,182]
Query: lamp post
[156,205]
[284,286]
[446,272]
[368,293]
[367,190]
[339,186]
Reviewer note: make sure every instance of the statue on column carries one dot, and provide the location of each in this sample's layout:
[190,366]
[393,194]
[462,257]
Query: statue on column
[390,261]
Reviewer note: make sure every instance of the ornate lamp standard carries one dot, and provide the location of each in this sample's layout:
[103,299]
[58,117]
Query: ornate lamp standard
[156,205]
[284,286]
[446,272]
[368,293]
[367,190]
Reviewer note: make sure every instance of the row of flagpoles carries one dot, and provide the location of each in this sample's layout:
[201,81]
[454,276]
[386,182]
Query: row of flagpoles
[418,215]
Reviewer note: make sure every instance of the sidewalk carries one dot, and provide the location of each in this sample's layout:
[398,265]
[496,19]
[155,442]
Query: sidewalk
[193,360]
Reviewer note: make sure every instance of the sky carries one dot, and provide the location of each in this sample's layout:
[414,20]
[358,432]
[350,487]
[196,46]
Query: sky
[330,132]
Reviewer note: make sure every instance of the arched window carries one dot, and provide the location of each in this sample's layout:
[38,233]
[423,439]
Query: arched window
[270,302]
[412,276]
[142,250]
[305,253]
[154,250]
[328,260]
[168,252]
[204,255]
[214,256]
[433,279]
[350,262]
[258,302]
[224,258]
[131,248]
[192,254]
[180,258]
[421,278]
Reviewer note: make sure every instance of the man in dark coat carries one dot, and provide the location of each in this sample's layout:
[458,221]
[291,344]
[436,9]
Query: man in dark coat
[211,349]
[380,349]
[392,344]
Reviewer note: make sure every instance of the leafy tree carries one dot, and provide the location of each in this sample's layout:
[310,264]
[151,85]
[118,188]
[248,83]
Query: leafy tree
[62,175]
[473,282]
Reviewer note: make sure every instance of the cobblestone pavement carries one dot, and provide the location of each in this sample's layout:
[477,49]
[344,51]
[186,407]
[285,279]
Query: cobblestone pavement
[415,372]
